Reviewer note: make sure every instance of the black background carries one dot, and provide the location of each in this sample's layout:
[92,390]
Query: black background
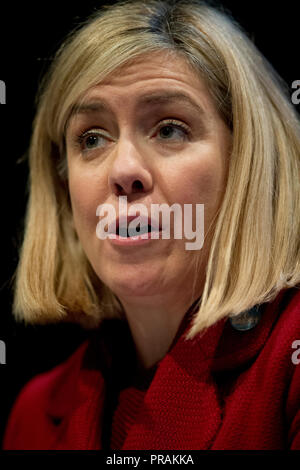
[29,37]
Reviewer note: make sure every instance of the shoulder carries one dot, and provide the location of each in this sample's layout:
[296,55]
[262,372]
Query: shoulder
[38,394]
[45,383]
[286,330]
[290,303]
[280,361]
[279,331]
[288,337]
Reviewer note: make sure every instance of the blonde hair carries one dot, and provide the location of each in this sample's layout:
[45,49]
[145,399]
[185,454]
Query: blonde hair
[255,246]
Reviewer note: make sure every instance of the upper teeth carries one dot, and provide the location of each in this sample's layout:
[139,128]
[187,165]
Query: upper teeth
[133,231]
[143,229]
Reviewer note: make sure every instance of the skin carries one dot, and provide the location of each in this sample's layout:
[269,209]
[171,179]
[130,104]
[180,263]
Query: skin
[132,156]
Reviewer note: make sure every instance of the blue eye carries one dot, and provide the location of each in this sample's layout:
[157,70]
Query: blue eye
[91,140]
[171,130]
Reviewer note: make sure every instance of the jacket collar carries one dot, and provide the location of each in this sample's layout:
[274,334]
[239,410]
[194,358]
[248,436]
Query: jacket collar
[237,348]
[221,348]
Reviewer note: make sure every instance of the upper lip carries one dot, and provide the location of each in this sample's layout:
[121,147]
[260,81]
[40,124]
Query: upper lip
[125,220]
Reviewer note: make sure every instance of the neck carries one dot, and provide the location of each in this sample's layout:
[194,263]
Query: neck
[154,325]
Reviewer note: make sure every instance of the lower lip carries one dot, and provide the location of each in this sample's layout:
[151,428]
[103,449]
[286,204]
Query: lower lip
[132,241]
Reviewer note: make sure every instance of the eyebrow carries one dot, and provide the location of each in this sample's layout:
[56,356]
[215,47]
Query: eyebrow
[158,98]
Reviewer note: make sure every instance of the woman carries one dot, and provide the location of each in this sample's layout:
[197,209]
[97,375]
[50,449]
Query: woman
[156,102]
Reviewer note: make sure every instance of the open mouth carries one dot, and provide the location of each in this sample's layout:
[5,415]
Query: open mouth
[129,227]
[133,232]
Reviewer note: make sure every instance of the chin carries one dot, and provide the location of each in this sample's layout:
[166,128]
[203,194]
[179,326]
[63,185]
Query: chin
[137,285]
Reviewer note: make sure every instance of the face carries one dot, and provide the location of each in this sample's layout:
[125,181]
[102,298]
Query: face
[150,132]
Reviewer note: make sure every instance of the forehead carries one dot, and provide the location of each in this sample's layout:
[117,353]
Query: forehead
[157,65]
[158,78]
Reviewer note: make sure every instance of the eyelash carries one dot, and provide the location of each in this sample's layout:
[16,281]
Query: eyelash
[168,122]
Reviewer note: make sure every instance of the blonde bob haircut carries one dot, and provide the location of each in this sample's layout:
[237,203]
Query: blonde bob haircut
[255,249]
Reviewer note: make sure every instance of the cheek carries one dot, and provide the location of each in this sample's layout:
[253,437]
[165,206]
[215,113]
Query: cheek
[85,198]
[210,182]
[200,179]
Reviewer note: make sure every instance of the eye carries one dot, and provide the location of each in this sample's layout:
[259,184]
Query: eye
[173,130]
[91,140]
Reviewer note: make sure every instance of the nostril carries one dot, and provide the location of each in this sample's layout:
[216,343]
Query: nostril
[119,188]
[137,185]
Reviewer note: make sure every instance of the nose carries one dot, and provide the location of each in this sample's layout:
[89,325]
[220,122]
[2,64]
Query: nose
[129,173]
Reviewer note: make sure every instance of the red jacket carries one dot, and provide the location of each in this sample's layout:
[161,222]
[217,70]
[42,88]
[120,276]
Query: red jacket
[228,389]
